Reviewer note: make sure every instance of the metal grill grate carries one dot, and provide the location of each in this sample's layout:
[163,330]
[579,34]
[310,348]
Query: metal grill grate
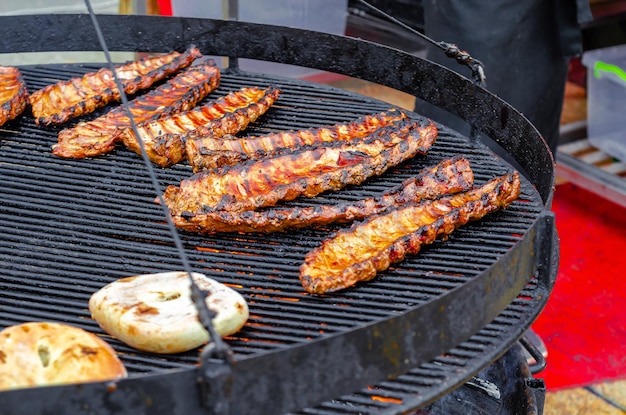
[71,226]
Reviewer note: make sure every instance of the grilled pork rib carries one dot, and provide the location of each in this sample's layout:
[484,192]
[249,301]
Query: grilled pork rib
[307,172]
[210,151]
[164,139]
[448,177]
[57,103]
[358,253]
[183,92]
[13,93]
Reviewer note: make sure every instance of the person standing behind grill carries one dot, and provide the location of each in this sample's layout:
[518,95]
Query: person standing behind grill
[524,45]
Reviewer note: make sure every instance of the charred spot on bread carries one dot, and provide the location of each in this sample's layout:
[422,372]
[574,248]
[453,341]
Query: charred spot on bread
[142,308]
[88,351]
[168,296]
[44,355]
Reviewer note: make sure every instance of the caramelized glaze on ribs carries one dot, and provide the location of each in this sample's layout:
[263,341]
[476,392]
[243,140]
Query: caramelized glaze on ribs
[164,139]
[13,93]
[96,137]
[358,253]
[307,172]
[57,103]
[212,150]
[448,177]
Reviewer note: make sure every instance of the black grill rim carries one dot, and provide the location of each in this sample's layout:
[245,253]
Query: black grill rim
[538,237]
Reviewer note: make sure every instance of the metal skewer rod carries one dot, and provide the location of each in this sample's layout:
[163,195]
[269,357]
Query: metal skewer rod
[217,348]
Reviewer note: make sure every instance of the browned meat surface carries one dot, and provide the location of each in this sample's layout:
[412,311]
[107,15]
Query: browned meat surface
[211,150]
[164,139]
[448,177]
[99,136]
[13,93]
[358,253]
[307,172]
[57,103]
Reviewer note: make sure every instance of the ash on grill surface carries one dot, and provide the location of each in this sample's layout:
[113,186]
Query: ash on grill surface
[71,226]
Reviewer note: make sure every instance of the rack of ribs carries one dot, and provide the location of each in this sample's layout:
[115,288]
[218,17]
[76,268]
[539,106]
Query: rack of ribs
[211,149]
[59,102]
[13,93]
[164,139]
[448,177]
[360,252]
[306,172]
[99,136]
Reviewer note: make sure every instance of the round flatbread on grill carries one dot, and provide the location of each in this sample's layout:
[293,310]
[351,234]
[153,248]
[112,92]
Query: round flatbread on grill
[155,313]
[42,354]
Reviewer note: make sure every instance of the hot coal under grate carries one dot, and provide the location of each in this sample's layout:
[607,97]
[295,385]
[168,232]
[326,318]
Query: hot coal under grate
[71,226]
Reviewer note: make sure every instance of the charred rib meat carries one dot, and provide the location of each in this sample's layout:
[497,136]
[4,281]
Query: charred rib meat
[448,177]
[164,139]
[358,253]
[307,172]
[57,103]
[13,93]
[210,150]
[183,92]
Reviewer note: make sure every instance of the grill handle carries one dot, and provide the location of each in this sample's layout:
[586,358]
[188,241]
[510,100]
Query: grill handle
[215,379]
[539,363]
[450,49]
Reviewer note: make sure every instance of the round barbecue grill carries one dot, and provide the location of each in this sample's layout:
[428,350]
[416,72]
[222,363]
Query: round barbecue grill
[413,334]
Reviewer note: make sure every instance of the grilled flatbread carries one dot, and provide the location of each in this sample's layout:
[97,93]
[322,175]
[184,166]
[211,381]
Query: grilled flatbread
[42,354]
[155,313]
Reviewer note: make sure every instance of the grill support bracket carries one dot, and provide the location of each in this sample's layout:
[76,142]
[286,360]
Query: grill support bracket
[215,381]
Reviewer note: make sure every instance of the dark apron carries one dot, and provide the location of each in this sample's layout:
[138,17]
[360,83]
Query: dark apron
[524,45]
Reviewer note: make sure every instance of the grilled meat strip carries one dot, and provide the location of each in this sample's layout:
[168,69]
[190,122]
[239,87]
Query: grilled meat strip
[448,177]
[183,92]
[358,253]
[212,150]
[164,139]
[57,103]
[307,172]
[13,93]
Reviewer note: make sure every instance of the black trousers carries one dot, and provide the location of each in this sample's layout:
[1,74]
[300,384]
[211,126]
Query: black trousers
[524,45]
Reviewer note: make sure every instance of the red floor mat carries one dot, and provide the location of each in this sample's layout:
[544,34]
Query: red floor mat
[584,322]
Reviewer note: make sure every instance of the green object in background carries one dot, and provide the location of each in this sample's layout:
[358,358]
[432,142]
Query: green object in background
[607,67]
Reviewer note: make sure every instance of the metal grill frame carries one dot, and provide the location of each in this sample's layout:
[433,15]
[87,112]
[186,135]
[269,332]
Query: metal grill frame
[413,75]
